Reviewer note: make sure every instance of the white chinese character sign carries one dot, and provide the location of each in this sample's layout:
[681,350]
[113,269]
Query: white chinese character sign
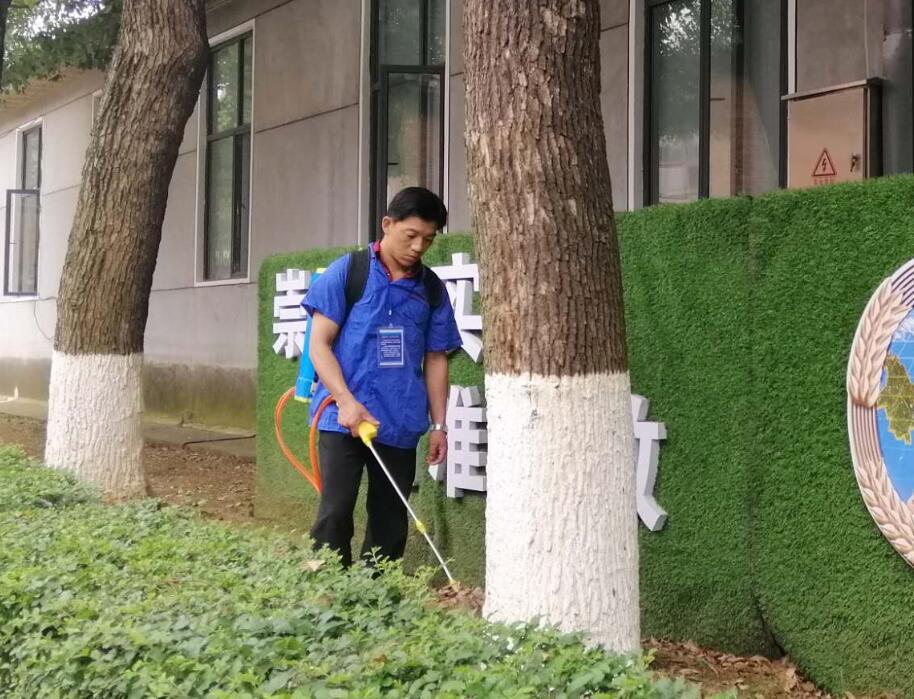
[462,281]
[648,436]
[467,438]
[291,287]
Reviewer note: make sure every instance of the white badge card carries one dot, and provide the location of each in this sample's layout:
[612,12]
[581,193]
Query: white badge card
[390,347]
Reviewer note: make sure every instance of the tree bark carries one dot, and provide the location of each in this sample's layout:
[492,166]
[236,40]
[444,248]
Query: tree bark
[4,16]
[561,522]
[95,405]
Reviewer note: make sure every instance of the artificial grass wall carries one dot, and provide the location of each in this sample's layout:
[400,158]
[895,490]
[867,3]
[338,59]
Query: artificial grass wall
[836,595]
[768,537]
[740,316]
[687,304]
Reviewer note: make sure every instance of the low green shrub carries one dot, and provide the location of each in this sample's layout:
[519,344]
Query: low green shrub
[23,486]
[142,600]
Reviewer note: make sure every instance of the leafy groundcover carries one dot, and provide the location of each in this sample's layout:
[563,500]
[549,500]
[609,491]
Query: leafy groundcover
[144,600]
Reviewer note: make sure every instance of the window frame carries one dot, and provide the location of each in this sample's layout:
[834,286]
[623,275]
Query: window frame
[204,117]
[650,154]
[21,134]
[379,118]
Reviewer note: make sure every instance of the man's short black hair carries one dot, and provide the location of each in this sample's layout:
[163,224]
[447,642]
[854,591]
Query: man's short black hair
[418,201]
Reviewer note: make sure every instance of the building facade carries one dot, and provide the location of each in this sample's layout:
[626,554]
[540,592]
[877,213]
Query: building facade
[314,112]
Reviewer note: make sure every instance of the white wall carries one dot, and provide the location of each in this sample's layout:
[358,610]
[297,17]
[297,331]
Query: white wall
[64,110]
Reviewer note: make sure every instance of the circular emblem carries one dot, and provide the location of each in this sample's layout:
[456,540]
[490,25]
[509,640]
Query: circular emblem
[880,408]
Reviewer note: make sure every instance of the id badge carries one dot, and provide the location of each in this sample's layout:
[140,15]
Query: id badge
[390,347]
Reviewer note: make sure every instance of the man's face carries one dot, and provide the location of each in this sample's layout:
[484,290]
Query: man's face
[408,240]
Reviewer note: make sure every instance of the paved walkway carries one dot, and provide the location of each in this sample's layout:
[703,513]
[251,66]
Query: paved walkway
[235,442]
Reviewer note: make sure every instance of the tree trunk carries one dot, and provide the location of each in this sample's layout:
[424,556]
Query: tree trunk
[4,16]
[95,405]
[561,527]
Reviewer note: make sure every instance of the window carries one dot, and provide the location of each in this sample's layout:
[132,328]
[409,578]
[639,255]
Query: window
[226,218]
[714,118]
[407,99]
[22,211]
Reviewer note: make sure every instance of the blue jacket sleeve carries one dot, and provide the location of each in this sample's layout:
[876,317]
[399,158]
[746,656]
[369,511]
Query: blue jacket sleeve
[327,294]
[443,335]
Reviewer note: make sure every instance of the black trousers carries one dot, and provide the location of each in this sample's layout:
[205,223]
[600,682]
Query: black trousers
[342,458]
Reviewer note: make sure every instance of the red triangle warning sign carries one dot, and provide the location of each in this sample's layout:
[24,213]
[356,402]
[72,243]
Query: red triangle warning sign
[824,166]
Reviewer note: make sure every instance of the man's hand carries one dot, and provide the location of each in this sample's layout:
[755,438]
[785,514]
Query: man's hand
[437,447]
[352,414]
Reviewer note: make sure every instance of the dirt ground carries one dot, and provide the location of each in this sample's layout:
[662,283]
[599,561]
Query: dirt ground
[219,485]
[222,488]
[754,677]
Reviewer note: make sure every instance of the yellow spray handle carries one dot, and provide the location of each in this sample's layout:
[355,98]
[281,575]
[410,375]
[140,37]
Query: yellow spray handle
[367,432]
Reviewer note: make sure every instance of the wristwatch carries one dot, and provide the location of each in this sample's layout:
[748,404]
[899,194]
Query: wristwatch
[437,426]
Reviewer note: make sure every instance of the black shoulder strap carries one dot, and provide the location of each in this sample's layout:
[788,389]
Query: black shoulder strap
[357,278]
[433,287]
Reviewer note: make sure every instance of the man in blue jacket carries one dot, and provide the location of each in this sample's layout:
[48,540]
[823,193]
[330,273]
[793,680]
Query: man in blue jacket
[383,358]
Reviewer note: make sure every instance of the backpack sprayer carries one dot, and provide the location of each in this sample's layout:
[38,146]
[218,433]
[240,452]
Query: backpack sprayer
[302,391]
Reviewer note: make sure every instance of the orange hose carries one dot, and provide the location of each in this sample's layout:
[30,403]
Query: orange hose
[312,440]
[314,475]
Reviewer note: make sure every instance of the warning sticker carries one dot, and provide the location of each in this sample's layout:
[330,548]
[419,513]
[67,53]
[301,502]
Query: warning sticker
[824,166]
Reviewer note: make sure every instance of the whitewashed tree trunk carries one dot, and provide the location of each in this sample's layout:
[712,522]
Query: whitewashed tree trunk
[561,515]
[95,412]
[95,402]
[560,532]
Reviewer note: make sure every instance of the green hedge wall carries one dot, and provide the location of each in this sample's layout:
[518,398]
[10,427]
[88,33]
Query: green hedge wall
[686,304]
[755,406]
[740,315]
[837,596]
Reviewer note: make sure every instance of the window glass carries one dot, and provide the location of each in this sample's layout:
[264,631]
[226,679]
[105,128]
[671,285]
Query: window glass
[413,132]
[676,111]
[31,158]
[437,28]
[220,203]
[224,89]
[407,105]
[400,32]
[745,119]
[742,89]
[240,246]
[248,50]
[228,160]
[22,243]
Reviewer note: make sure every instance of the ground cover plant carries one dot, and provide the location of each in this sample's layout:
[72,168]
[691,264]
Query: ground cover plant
[144,600]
